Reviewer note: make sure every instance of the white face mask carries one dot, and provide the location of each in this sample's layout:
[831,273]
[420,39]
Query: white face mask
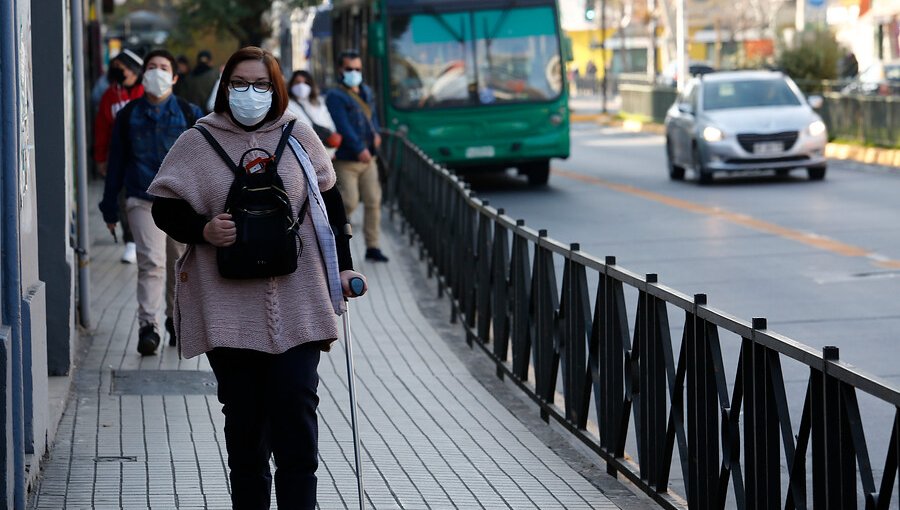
[301,90]
[157,83]
[249,107]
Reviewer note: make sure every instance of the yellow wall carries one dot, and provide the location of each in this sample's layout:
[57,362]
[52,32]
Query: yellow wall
[582,51]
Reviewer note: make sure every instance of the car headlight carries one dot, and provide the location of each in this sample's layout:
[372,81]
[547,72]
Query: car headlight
[712,134]
[816,128]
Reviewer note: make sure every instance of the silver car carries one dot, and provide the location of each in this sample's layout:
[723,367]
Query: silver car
[744,120]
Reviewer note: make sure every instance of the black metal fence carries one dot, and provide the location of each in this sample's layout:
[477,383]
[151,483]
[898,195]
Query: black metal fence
[656,411]
[863,119]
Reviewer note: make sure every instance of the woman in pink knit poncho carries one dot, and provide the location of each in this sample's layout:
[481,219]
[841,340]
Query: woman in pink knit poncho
[263,337]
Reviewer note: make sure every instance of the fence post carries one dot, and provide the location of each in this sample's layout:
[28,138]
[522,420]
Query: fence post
[702,415]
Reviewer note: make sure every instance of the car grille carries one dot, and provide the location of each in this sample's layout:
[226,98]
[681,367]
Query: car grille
[762,161]
[747,140]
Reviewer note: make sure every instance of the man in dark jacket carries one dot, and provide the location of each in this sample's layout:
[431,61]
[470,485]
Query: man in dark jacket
[142,135]
[352,107]
[202,80]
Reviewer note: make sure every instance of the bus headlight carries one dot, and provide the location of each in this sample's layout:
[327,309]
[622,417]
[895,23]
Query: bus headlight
[556,119]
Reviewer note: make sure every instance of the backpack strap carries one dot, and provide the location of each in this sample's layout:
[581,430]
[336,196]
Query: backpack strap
[285,135]
[123,124]
[219,150]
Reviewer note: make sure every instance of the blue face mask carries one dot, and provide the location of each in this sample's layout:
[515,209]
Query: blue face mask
[352,78]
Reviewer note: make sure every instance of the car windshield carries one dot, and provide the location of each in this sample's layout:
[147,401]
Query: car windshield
[474,58]
[721,95]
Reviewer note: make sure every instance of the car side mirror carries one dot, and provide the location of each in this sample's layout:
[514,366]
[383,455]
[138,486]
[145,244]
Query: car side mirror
[685,108]
[815,102]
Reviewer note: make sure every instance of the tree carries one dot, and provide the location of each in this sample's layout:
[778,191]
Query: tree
[243,19]
[813,57]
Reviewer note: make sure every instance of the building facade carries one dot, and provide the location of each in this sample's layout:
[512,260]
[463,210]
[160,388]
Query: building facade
[38,264]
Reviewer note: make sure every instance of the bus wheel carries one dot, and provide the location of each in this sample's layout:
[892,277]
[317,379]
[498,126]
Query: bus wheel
[538,172]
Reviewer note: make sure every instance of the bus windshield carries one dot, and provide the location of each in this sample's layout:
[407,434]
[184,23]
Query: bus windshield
[474,58]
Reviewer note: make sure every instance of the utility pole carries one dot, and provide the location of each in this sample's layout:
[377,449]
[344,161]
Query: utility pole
[800,16]
[603,50]
[84,237]
[680,48]
[652,72]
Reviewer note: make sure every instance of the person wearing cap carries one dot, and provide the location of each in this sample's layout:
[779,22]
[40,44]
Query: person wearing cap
[144,132]
[124,76]
[202,80]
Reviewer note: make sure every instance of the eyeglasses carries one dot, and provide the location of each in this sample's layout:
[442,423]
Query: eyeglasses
[243,85]
[348,69]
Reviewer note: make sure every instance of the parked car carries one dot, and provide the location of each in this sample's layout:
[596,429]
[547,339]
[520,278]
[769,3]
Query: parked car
[878,79]
[744,120]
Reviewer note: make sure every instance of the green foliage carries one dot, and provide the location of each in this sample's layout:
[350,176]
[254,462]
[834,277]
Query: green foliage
[242,19]
[813,57]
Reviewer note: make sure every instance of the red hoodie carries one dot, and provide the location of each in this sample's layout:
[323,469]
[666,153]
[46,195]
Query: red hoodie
[115,97]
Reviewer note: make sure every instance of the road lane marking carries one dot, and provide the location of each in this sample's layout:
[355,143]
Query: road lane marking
[807,238]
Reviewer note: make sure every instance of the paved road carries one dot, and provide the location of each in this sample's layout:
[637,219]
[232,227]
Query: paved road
[820,260]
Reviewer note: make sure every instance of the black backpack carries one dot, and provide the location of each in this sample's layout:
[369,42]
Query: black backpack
[268,243]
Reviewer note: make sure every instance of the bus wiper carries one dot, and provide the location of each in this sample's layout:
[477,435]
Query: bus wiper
[440,19]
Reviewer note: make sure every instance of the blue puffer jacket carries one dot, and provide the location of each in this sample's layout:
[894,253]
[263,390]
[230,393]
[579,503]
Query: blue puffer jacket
[152,130]
[351,122]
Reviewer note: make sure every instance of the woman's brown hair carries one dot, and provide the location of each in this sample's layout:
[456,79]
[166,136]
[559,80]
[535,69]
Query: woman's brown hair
[279,91]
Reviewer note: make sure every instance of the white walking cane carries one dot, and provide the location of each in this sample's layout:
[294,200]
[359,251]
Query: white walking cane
[357,286]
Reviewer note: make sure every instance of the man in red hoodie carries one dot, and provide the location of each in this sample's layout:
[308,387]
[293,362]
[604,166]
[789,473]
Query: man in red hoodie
[124,85]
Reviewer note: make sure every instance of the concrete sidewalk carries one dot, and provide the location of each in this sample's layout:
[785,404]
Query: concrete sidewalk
[147,432]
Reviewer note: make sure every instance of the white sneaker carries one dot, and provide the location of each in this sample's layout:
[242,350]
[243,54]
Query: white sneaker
[129,256]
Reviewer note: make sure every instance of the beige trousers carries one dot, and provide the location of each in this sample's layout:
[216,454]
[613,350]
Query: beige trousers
[359,181]
[156,256]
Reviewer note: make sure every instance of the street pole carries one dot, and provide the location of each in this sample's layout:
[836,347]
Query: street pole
[800,16]
[603,50]
[680,48]
[651,57]
[84,238]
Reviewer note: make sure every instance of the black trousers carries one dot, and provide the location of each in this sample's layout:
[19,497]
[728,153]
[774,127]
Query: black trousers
[269,402]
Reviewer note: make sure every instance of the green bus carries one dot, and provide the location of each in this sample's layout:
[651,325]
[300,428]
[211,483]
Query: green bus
[479,85]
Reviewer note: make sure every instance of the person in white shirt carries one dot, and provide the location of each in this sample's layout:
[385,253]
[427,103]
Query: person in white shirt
[306,103]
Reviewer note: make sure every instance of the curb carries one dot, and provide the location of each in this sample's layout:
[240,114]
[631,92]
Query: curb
[846,152]
[868,155]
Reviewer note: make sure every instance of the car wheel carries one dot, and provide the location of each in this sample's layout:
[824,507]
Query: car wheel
[676,173]
[538,173]
[703,175]
[816,173]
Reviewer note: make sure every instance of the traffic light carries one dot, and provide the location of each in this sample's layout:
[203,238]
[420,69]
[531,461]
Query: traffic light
[590,10]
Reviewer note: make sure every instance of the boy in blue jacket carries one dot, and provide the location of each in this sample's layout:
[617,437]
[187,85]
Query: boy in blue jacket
[143,133]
